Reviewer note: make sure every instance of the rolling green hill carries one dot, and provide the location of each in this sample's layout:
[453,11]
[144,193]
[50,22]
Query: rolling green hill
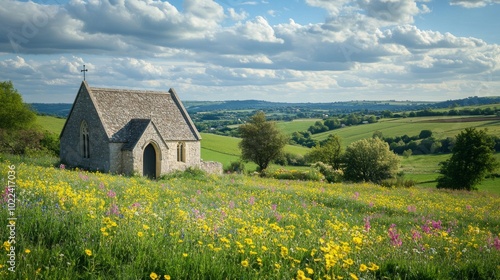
[50,123]
[225,149]
[296,125]
[440,127]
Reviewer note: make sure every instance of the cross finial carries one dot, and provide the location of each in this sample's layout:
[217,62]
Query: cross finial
[84,70]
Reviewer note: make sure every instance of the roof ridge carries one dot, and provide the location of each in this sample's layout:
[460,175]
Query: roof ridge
[129,90]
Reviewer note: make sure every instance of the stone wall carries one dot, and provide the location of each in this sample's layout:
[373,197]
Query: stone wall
[71,153]
[211,167]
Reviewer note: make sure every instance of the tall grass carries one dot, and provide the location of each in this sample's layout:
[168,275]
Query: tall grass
[79,225]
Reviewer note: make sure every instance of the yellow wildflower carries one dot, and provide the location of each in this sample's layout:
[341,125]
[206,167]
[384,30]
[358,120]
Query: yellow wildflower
[167,277]
[27,251]
[184,255]
[6,245]
[373,267]
[140,234]
[363,267]
[153,276]
[309,270]
[353,276]
[244,263]
[88,252]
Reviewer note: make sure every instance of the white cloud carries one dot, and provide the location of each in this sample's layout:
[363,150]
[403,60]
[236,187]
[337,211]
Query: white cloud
[258,30]
[334,8]
[237,16]
[364,47]
[396,11]
[412,37]
[473,3]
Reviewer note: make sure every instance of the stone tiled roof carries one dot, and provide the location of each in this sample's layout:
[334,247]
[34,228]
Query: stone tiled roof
[125,114]
[131,133]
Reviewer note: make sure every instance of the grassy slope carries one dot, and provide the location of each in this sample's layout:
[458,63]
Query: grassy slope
[51,124]
[409,126]
[225,149]
[296,125]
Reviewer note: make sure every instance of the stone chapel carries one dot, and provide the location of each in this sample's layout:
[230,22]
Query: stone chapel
[130,132]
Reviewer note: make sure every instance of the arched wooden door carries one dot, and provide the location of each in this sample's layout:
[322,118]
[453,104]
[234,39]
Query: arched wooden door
[149,162]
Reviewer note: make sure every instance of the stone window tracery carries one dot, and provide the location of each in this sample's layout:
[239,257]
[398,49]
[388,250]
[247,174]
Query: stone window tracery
[181,152]
[84,140]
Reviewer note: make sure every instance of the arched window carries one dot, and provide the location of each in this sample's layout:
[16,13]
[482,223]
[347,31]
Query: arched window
[181,152]
[84,140]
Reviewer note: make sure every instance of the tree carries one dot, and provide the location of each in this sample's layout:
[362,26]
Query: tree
[370,160]
[332,123]
[328,152]
[261,141]
[426,133]
[471,160]
[378,134]
[14,114]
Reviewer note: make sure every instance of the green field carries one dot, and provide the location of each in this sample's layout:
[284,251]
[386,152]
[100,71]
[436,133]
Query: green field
[225,149]
[296,125]
[51,124]
[410,127]
[424,169]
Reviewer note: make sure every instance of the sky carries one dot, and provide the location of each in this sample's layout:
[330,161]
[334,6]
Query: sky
[287,51]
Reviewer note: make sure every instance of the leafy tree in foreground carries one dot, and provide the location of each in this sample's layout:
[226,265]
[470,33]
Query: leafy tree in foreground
[370,160]
[261,141]
[328,152]
[14,114]
[471,161]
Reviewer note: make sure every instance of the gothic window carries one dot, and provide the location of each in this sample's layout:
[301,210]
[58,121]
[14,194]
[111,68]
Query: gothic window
[84,140]
[181,152]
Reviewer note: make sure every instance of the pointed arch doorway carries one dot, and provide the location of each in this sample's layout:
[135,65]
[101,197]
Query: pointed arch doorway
[149,165]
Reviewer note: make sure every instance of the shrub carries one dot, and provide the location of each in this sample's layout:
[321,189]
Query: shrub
[331,175]
[188,173]
[398,182]
[283,174]
[370,160]
[290,159]
[235,167]
[407,153]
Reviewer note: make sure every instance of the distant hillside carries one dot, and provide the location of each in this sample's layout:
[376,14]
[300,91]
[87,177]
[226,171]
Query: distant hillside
[62,109]
[52,109]
[344,106]
[469,101]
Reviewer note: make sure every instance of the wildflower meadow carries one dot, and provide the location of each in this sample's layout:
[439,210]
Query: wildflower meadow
[72,224]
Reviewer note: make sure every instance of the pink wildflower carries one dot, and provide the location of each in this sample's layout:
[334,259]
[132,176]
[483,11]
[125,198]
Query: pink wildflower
[111,194]
[496,243]
[393,234]
[367,224]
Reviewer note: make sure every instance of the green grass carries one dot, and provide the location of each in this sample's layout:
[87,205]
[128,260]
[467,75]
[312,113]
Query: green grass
[81,225]
[408,126]
[51,124]
[296,125]
[225,150]
[424,169]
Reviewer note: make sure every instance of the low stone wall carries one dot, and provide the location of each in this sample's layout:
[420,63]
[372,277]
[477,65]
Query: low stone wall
[211,167]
